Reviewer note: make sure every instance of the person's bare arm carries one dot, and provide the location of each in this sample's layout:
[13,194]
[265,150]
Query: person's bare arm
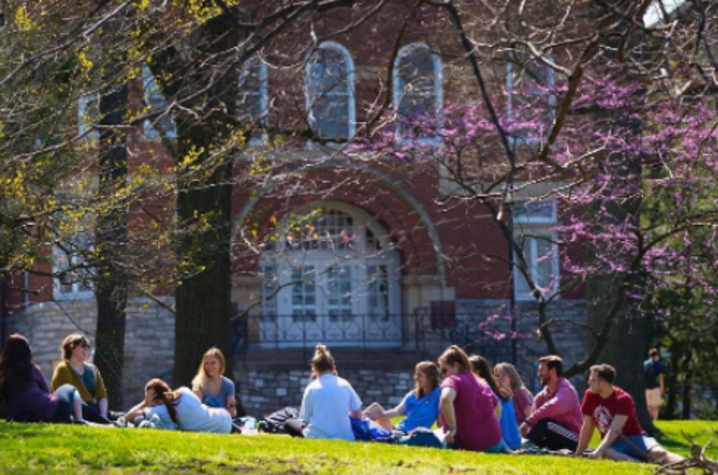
[660,382]
[448,395]
[498,410]
[232,406]
[589,425]
[613,432]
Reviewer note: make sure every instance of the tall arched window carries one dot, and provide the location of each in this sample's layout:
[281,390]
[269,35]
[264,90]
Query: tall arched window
[156,102]
[332,274]
[252,100]
[330,92]
[417,92]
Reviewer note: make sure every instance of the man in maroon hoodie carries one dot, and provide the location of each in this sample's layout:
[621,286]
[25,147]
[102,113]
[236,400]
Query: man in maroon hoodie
[555,422]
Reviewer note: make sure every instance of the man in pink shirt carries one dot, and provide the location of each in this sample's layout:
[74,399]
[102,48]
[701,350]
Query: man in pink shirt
[556,420]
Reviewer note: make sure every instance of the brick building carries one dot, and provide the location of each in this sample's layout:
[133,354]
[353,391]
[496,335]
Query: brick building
[383,260]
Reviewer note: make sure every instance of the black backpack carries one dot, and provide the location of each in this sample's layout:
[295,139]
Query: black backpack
[274,422]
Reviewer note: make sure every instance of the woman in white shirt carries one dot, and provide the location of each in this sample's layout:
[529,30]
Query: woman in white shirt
[182,407]
[327,404]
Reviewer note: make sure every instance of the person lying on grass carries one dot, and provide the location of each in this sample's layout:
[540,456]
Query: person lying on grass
[211,386]
[470,412]
[613,411]
[23,386]
[327,404]
[421,405]
[182,407]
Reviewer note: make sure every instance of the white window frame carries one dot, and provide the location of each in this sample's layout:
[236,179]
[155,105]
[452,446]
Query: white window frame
[82,105]
[360,259]
[398,90]
[262,139]
[148,79]
[79,290]
[524,140]
[534,229]
[552,219]
[351,101]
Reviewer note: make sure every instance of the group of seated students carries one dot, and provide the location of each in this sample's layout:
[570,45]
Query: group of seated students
[477,408]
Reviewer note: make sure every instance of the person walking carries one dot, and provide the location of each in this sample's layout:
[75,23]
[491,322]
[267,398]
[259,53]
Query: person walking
[653,370]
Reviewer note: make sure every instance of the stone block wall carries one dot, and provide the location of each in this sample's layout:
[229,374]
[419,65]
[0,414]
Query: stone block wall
[264,392]
[149,340]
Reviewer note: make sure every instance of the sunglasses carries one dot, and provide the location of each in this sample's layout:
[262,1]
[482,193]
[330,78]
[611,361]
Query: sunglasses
[444,371]
[84,344]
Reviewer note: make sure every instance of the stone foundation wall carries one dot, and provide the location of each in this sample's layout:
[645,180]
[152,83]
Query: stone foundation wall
[269,380]
[149,340]
[262,393]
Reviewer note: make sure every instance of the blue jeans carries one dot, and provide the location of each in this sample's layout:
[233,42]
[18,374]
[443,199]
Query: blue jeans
[643,442]
[66,394]
[212,401]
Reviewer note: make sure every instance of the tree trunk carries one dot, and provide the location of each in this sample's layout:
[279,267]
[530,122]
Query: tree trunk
[111,239]
[670,385]
[687,390]
[624,348]
[204,211]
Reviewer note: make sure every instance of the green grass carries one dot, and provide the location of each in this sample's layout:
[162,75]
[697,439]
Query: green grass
[48,449]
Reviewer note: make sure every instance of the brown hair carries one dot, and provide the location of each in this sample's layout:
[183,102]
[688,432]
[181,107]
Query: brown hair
[70,343]
[431,371]
[653,352]
[15,364]
[164,394]
[514,377]
[454,354]
[482,368]
[199,383]
[322,360]
[604,371]
[553,362]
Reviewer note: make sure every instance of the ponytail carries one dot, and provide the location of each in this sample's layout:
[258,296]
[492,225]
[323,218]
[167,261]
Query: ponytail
[482,368]
[454,354]
[164,394]
[322,361]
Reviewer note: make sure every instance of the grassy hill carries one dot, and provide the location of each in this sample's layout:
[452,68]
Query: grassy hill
[49,449]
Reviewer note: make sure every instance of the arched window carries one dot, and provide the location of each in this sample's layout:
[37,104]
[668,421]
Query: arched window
[417,92]
[330,92]
[156,102]
[332,275]
[534,232]
[252,100]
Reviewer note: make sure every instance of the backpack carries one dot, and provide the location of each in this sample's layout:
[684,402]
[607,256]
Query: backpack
[274,422]
[366,430]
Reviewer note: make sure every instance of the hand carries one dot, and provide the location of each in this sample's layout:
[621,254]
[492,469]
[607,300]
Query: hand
[450,437]
[523,429]
[596,454]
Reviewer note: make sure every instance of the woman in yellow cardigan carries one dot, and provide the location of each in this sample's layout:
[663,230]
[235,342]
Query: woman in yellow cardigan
[85,377]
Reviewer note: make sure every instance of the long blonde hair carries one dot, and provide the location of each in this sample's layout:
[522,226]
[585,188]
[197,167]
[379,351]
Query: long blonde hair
[199,383]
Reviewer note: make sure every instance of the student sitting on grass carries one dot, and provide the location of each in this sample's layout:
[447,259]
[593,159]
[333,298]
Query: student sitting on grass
[421,405]
[85,377]
[214,389]
[327,404]
[183,407]
[470,412]
[613,411]
[521,398]
[23,386]
[509,428]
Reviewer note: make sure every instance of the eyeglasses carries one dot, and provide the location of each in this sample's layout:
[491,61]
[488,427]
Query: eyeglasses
[444,371]
[84,344]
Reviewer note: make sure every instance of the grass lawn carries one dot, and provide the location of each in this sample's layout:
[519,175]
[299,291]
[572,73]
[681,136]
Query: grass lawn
[47,449]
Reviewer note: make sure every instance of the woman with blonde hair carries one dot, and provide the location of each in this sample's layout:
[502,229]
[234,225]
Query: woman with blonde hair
[421,405]
[522,398]
[327,404]
[211,386]
[85,377]
[470,411]
[182,407]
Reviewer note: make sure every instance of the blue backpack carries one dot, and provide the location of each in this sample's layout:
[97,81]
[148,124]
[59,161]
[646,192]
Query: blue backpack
[366,430]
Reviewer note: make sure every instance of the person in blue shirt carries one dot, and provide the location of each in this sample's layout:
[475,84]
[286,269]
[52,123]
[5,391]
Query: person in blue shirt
[509,428]
[420,405]
[211,386]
